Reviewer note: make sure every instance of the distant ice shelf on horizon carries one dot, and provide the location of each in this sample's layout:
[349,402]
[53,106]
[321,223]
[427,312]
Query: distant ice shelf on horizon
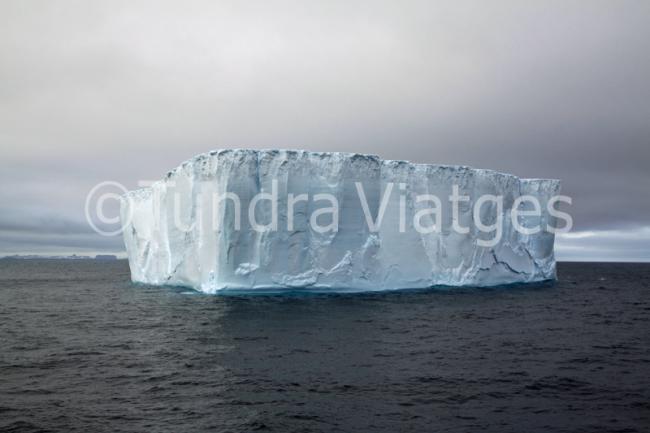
[169,243]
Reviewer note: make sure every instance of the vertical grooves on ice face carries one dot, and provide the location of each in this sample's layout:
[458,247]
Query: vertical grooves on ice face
[353,258]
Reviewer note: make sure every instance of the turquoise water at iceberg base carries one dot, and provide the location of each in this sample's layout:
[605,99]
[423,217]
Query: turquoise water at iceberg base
[84,349]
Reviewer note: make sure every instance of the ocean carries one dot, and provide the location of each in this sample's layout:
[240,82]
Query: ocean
[82,349]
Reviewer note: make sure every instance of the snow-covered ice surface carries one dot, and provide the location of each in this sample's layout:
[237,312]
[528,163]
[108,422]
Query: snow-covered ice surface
[174,235]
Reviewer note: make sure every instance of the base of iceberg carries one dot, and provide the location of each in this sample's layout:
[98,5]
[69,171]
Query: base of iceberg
[275,220]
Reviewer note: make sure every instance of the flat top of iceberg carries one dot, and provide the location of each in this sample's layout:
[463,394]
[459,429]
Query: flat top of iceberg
[342,155]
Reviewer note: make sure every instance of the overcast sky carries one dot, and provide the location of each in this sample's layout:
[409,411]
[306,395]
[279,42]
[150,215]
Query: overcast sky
[94,91]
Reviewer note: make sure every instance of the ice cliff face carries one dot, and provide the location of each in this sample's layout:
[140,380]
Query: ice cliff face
[176,235]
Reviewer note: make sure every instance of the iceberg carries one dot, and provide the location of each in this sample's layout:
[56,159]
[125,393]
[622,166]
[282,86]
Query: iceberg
[273,220]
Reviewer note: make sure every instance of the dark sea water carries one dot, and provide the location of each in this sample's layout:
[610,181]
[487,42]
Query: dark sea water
[84,350]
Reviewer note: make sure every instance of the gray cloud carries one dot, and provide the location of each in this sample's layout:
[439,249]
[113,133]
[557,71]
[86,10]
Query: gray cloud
[605,245]
[125,91]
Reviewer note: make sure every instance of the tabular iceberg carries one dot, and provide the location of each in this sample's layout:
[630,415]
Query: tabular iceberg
[261,220]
